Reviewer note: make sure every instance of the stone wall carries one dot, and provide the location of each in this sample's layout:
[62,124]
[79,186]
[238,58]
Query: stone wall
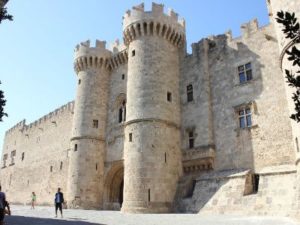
[228,192]
[45,147]
[269,141]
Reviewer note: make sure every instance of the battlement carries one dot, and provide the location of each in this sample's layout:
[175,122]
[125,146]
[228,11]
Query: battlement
[21,126]
[247,30]
[138,22]
[87,56]
[85,49]
[138,12]
[250,27]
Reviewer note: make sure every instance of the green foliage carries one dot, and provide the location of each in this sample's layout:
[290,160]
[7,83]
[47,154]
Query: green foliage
[2,104]
[291,29]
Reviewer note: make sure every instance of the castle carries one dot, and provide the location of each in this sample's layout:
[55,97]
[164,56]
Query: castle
[154,129]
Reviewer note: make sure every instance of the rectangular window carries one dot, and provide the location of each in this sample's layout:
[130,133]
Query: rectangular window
[191,139]
[130,137]
[245,73]
[79,81]
[189,93]
[169,97]
[95,123]
[123,76]
[12,156]
[5,156]
[23,156]
[51,168]
[75,147]
[61,165]
[245,117]
[133,53]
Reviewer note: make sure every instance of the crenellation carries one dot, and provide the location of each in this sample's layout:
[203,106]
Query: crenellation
[248,28]
[23,126]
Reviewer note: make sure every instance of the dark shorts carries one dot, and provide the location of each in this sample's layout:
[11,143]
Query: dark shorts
[58,206]
[1,215]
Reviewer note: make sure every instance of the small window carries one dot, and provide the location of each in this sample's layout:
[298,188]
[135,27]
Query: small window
[255,183]
[79,81]
[149,195]
[133,53]
[51,168]
[75,148]
[189,93]
[245,73]
[5,157]
[123,76]
[61,165]
[169,97]
[165,157]
[297,144]
[96,166]
[23,156]
[245,119]
[12,157]
[122,112]
[191,139]
[95,123]
[130,137]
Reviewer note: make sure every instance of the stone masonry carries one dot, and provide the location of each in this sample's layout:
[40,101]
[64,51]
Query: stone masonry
[154,129]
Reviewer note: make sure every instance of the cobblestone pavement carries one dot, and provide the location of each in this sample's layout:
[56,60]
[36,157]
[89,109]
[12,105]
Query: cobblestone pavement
[23,215]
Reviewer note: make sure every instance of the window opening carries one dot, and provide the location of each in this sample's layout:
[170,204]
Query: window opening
[245,73]
[130,137]
[122,112]
[95,124]
[245,119]
[191,139]
[189,92]
[169,97]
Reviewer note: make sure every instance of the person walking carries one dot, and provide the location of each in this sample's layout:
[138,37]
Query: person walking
[59,200]
[33,200]
[3,204]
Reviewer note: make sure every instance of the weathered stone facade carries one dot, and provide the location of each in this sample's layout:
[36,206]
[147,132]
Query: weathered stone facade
[202,132]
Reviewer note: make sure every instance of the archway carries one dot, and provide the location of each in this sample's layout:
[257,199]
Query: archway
[113,197]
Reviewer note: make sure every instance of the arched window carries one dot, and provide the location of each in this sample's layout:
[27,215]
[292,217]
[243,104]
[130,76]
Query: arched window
[122,112]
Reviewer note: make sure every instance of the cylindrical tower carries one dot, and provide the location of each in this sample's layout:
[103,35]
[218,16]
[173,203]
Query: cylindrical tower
[86,164]
[152,155]
[285,44]
[292,6]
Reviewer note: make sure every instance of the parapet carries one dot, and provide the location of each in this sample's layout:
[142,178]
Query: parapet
[87,56]
[250,27]
[137,22]
[21,126]
[119,55]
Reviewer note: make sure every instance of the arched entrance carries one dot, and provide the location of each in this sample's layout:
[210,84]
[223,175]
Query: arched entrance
[114,184]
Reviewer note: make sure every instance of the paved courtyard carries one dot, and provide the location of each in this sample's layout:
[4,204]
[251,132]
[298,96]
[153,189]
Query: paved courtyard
[23,215]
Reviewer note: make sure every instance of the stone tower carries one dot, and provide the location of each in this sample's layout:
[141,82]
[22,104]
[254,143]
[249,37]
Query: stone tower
[275,6]
[86,165]
[152,155]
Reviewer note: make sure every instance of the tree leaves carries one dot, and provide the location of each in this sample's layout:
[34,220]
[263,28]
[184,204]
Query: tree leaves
[2,104]
[292,30]
[290,24]
[4,15]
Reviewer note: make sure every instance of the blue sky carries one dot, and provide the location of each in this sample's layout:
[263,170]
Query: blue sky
[36,57]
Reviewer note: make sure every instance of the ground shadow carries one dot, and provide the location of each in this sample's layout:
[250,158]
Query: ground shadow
[17,220]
